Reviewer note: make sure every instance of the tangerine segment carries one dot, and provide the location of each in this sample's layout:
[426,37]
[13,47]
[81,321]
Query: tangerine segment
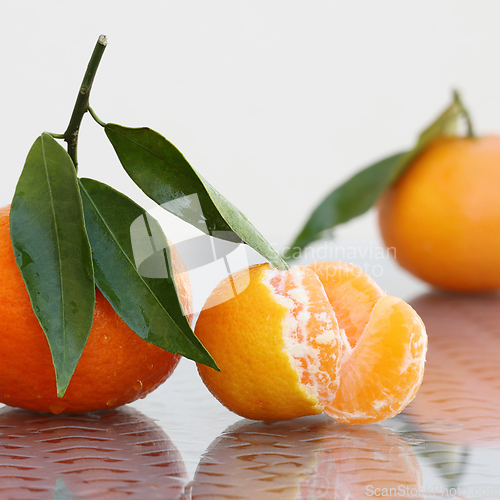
[276,341]
[352,294]
[310,330]
[381,375]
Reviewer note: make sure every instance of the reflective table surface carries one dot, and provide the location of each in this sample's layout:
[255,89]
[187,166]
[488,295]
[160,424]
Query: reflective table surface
[180,443]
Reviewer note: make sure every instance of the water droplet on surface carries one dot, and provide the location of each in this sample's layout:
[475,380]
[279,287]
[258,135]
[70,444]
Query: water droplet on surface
[137,386]
[111,402]
[56,409]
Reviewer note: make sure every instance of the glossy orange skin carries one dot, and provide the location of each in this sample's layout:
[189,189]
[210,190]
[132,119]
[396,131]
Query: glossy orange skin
[443,215]
[245,336]
[116,366]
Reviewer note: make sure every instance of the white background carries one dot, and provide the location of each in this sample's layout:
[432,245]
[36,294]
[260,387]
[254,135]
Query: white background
[274,102]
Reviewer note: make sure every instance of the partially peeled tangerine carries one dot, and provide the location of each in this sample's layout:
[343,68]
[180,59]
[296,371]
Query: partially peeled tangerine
[319,338]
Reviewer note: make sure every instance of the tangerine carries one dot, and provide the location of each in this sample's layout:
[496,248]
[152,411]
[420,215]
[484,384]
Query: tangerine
[442,216]
[116,366]
[288,348]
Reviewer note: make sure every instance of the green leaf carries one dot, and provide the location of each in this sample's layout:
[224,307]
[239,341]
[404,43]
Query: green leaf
[122,236]
[53,253]
[163,173]
[353,198]
[360,193]
[445,125]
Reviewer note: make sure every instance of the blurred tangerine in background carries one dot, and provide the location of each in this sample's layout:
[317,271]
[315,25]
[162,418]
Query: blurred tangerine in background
[442,215]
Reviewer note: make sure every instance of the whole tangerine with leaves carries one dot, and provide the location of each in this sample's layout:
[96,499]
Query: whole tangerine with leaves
[116,366]
[310,339]
[442,216]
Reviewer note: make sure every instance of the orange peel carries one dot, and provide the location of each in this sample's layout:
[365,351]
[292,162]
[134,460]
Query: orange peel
[311,339]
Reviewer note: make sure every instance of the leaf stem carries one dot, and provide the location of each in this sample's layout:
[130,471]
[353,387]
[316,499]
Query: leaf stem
[56,136]
[465,113]
[82,100]
[96,118]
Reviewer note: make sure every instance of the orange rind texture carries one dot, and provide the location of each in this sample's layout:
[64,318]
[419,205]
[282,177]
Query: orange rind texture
[311,339]
[116,366]
[441,218]
[259,377]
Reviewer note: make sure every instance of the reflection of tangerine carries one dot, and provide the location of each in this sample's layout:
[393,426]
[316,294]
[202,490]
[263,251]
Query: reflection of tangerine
[323,337]
[311,457]
[442,216]
[459,398]
[116,366]
[106,455]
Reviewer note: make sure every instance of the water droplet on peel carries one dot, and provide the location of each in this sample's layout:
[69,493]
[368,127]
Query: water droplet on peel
[104,339]
[137,386]
[56,409]
[111,402]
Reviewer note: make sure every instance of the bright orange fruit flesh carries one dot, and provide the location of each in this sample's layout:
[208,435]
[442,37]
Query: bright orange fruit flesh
[382,373]
[352,294]
[116,366]
[324,337]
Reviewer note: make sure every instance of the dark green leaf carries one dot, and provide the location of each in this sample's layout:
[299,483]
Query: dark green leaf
[123,236]
[360,193]
[163,173]
[53,253]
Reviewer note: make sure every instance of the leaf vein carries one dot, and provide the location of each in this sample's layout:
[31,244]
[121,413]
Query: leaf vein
[191,173]
[59,253]
[124,253]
